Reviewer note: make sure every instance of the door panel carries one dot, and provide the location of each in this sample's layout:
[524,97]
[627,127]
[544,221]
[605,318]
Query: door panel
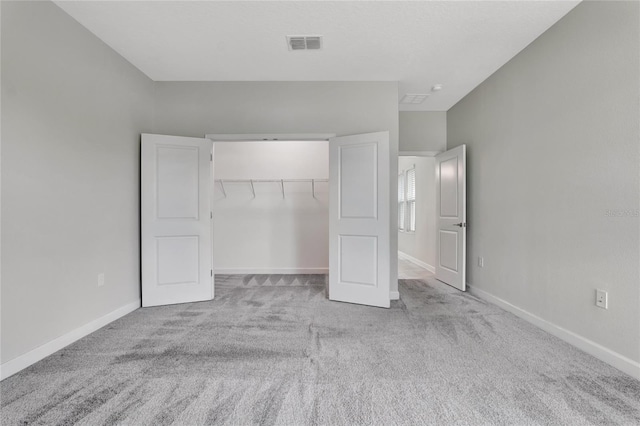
[449,250]
[449,188]
[177,243]
[358,260]
[358,181]
[451,217]
[359,254]
[177,259]
[177,182]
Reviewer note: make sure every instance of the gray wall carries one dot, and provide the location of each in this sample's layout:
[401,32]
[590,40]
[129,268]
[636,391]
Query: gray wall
[72,113]
[423,130]
[198,108]
[553,149]
[421,244]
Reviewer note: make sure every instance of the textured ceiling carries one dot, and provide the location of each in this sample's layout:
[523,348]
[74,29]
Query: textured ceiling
[418,43]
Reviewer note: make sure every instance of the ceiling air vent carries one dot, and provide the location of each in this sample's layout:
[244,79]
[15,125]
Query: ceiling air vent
[414,98]
[304,42]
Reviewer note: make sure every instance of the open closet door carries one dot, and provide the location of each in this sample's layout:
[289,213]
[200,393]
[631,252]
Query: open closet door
[359,228]
[451,207]
[177,241]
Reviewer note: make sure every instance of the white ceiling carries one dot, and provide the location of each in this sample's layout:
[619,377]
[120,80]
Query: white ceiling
[418,43]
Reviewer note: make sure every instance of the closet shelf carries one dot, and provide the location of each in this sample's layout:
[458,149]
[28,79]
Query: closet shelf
[280,181]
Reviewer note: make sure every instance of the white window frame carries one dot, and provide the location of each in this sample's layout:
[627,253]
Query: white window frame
[410,200]
[402,217]
[407,201]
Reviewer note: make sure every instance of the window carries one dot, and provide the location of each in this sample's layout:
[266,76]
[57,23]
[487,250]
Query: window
[407,200]
[401,201]
[411,200]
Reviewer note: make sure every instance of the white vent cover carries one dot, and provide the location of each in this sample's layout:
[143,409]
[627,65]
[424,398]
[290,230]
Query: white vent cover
[414,98]
[304,42]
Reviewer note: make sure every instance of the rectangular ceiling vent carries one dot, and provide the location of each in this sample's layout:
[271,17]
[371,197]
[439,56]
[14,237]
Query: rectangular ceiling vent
[304,42]
[414,98]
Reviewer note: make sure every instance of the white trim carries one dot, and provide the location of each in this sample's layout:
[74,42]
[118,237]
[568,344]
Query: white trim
[612,358]
[253,137]
[418,153]
[394,295]
[405,256]
[15,365]
[268,271]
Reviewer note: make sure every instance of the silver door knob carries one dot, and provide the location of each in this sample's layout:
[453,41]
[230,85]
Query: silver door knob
[461,224]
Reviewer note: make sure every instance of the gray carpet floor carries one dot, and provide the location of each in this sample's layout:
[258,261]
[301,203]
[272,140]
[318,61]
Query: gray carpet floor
[273,350]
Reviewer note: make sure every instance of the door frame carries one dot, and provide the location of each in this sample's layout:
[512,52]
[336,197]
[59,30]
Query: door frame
[257,137]
[418,153]
[260,137]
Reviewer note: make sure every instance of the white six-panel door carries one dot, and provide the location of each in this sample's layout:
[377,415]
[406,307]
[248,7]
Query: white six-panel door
[177,245]
[359,227]
[451,235]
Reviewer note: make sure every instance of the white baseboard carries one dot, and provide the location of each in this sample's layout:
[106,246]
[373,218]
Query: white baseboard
[10,368]
[394,295]
[612,358]
[268,271]
[405,256]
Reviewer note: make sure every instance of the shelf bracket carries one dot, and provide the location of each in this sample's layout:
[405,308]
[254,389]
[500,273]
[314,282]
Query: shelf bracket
[253,190]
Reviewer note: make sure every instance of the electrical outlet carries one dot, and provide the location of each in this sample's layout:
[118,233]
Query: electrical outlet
[480,262]
[602,299]
[101,279]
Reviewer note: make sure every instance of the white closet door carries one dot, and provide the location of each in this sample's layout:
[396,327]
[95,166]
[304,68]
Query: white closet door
[177,241]
[359,228]
[451,207]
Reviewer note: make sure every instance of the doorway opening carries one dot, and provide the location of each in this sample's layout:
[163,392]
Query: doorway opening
[432,220]
[271,207]
[416,216]
[178,187]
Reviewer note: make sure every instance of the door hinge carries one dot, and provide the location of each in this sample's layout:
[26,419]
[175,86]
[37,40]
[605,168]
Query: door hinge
[210,157]
[211,216]
[212,272]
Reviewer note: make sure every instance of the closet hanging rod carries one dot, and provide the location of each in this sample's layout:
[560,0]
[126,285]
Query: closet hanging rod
[280,181]
[269,180]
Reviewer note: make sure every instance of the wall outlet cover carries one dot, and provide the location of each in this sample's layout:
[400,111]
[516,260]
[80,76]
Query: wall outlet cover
[602,299]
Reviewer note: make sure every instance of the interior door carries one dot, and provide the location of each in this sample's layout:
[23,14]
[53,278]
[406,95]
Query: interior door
[451,236]
[359,228]
[177,240]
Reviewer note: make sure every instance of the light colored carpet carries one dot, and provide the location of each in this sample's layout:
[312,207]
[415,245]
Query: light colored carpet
[273,350]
